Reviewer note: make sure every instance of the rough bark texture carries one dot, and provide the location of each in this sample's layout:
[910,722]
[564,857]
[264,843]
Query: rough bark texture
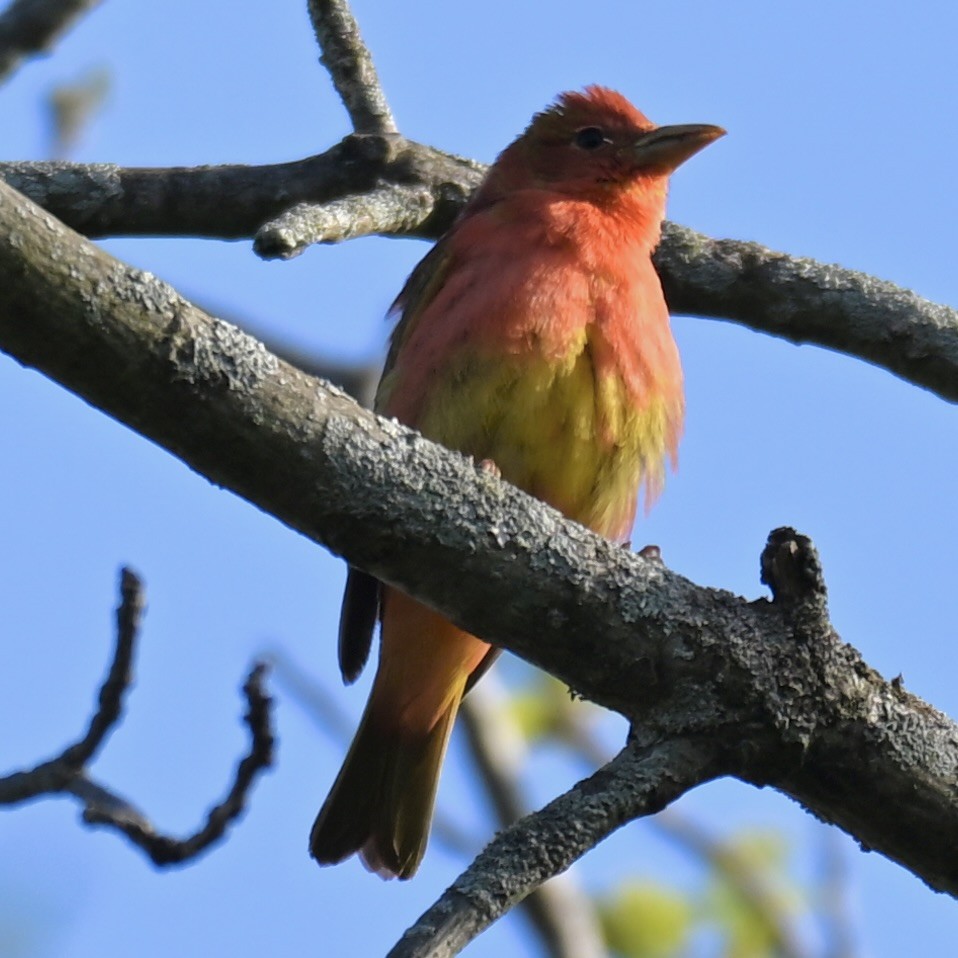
[638,781]
[233,201]
[767,685]
[388,185]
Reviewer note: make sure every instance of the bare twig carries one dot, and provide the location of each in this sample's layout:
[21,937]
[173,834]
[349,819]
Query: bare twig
[351,67]
[67,774]
[639,781]
[386,210]
[56,774]
[29,27]
[164,850]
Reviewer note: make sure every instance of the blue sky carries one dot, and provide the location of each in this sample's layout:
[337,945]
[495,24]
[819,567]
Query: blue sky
[841,144]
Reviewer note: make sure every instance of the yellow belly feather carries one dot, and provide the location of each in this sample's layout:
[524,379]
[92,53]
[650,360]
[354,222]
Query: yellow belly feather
[555,430]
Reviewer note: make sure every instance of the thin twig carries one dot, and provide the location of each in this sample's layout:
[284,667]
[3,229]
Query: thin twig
[129,615]
[164,850]
[29,27]
[351,66]
[57,774]
[67,773]
[639,781]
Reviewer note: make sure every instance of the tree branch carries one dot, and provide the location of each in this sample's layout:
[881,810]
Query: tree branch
[793,706]
[56,774]
[351,66]
[559,910]
[639,781]
[165,850]
[101,199]
[29,27]
[808,302]
[384,210]
[404,188]
[67,774]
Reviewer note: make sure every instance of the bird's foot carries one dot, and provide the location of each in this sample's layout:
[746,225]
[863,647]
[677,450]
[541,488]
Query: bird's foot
[487,465]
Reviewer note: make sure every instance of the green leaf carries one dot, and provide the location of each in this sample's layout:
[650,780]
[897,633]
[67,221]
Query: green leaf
[645,920]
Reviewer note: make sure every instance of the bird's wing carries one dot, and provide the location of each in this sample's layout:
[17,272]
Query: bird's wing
[425,281]
[357,620]
[362,596]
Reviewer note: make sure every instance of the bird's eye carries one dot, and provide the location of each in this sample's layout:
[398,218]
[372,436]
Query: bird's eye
[590,138]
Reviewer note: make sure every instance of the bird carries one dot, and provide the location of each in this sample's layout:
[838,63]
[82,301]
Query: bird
[535,338]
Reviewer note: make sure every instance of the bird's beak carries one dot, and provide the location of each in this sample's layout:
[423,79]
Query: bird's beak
[663,149]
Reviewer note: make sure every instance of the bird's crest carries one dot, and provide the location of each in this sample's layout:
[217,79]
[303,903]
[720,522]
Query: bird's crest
[595,105]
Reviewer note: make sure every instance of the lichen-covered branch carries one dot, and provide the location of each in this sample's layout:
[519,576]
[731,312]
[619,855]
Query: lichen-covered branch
[29,27]
[67,773]
[417,190]
[101,199]
[639,781]
[350,66]
[808,302]
[794,706]
[385,210]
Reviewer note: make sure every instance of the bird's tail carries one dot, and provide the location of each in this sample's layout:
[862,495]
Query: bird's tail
[382,801]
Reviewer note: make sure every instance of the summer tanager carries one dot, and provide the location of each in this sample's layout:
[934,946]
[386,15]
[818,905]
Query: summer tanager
[534,335]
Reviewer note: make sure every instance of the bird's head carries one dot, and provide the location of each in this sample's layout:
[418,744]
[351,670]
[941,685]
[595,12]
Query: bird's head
[591,145]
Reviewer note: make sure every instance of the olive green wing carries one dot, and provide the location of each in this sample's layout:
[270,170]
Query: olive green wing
[362,596]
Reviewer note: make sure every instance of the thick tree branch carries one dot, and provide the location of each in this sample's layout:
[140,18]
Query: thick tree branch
[67,772]
[29,27]
[351,67]
[639,781]
[792,706]
[403,187]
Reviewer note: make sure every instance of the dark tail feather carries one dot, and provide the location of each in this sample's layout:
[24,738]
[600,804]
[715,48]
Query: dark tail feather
[382,800]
